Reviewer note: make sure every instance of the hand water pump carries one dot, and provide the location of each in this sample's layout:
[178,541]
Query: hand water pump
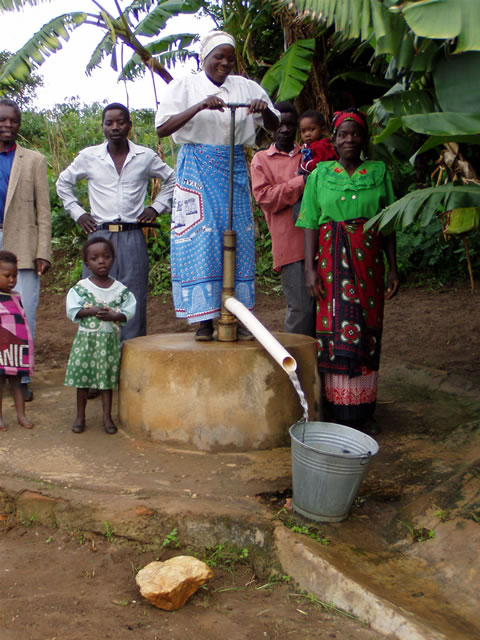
[227,325]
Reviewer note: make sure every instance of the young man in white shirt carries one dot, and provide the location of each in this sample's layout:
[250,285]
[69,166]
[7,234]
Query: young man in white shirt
[118,173]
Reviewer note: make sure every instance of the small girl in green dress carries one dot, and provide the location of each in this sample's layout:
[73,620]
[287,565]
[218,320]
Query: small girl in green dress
[99,303]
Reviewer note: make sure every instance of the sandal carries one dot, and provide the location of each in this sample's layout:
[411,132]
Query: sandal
[204,333]
[78,428]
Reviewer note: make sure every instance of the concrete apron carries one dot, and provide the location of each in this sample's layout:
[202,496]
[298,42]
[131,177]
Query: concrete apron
[144,490]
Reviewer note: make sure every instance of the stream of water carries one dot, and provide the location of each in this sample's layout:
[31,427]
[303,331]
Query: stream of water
[296,385]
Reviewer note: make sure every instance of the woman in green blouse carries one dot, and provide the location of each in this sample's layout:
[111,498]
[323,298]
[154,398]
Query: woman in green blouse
[348,280]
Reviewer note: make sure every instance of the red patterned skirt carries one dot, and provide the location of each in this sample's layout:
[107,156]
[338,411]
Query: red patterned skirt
[350,319]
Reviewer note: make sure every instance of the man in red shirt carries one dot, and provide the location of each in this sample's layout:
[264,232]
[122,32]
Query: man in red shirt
[277,187]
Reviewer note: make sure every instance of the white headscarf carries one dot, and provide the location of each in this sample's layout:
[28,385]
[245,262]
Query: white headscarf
[211,41]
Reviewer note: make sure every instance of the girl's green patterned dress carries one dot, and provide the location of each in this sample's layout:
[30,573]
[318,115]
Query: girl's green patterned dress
[94,360]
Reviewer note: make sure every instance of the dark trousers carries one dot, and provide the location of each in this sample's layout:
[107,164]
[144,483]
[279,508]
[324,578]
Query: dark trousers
[301,308]
[131,269]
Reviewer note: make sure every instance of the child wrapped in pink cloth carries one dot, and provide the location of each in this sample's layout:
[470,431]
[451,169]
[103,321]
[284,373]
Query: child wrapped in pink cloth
[16,345]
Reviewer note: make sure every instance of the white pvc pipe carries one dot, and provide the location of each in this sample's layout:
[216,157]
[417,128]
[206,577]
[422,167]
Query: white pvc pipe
[268,342]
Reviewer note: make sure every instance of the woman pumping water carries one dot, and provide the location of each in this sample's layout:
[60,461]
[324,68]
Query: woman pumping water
[193,110]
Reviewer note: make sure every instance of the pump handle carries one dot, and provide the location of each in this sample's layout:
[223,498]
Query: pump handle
[236,105]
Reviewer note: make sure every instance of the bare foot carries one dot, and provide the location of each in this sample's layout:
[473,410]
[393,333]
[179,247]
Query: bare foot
[3,427]
[78,426]
[25,422]
[110,427]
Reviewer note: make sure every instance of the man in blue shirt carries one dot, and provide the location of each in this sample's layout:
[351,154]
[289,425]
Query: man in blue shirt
[24,213]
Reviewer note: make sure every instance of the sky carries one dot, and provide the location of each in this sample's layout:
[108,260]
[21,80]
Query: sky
[64,72]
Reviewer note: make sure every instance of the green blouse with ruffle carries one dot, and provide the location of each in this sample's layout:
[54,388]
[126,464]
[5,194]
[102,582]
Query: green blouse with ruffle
[331,194]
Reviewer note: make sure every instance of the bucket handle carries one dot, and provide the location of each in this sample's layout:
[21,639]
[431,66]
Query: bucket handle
[366,458]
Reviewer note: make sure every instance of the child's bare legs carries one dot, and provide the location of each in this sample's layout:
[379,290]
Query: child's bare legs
[19,401]
[79,425]
[3,427]
[108,423]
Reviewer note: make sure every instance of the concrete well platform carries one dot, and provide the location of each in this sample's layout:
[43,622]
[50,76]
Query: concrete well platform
[214,396]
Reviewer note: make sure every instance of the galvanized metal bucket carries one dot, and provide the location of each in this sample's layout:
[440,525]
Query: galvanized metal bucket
[329,462]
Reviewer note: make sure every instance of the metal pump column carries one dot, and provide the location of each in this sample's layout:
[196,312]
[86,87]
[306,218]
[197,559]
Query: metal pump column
[227,324]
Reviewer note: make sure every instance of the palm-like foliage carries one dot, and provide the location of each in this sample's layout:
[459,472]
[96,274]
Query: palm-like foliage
[167,51]
[288,76]
[257,29]
[423,205]
[432,49]
[39,47]
[397,25]
[22,92]
[140,19]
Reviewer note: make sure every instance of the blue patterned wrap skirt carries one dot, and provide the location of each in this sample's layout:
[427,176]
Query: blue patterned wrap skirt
[199,218]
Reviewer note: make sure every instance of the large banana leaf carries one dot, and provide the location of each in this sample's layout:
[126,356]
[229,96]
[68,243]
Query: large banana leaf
[362,18]
[393,125]
[433,19]
[118,29]
[287,77]
[104,48]
[408,31]
[457,82]
[139,6]
[463,220]
[400,102]
[423,204]
[152,24]
[444,123]
[440,124]
[354,17]
[39,47]
[163,50]
[436,141]
[447,20]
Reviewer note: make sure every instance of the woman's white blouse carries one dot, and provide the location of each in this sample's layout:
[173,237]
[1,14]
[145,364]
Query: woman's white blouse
[211,126]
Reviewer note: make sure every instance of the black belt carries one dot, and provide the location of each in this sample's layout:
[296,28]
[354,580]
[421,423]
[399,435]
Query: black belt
[124,226]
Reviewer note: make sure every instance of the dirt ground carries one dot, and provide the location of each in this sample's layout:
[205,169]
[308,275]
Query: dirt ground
[67,587]
[64,586]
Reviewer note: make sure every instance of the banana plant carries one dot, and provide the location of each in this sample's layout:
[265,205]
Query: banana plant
[402,29]
[287,77]
[163,51]
[432,48]
[140,19]
[423,205]
[39,47]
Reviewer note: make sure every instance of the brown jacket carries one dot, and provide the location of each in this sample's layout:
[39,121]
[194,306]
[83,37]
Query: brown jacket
[27,222]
